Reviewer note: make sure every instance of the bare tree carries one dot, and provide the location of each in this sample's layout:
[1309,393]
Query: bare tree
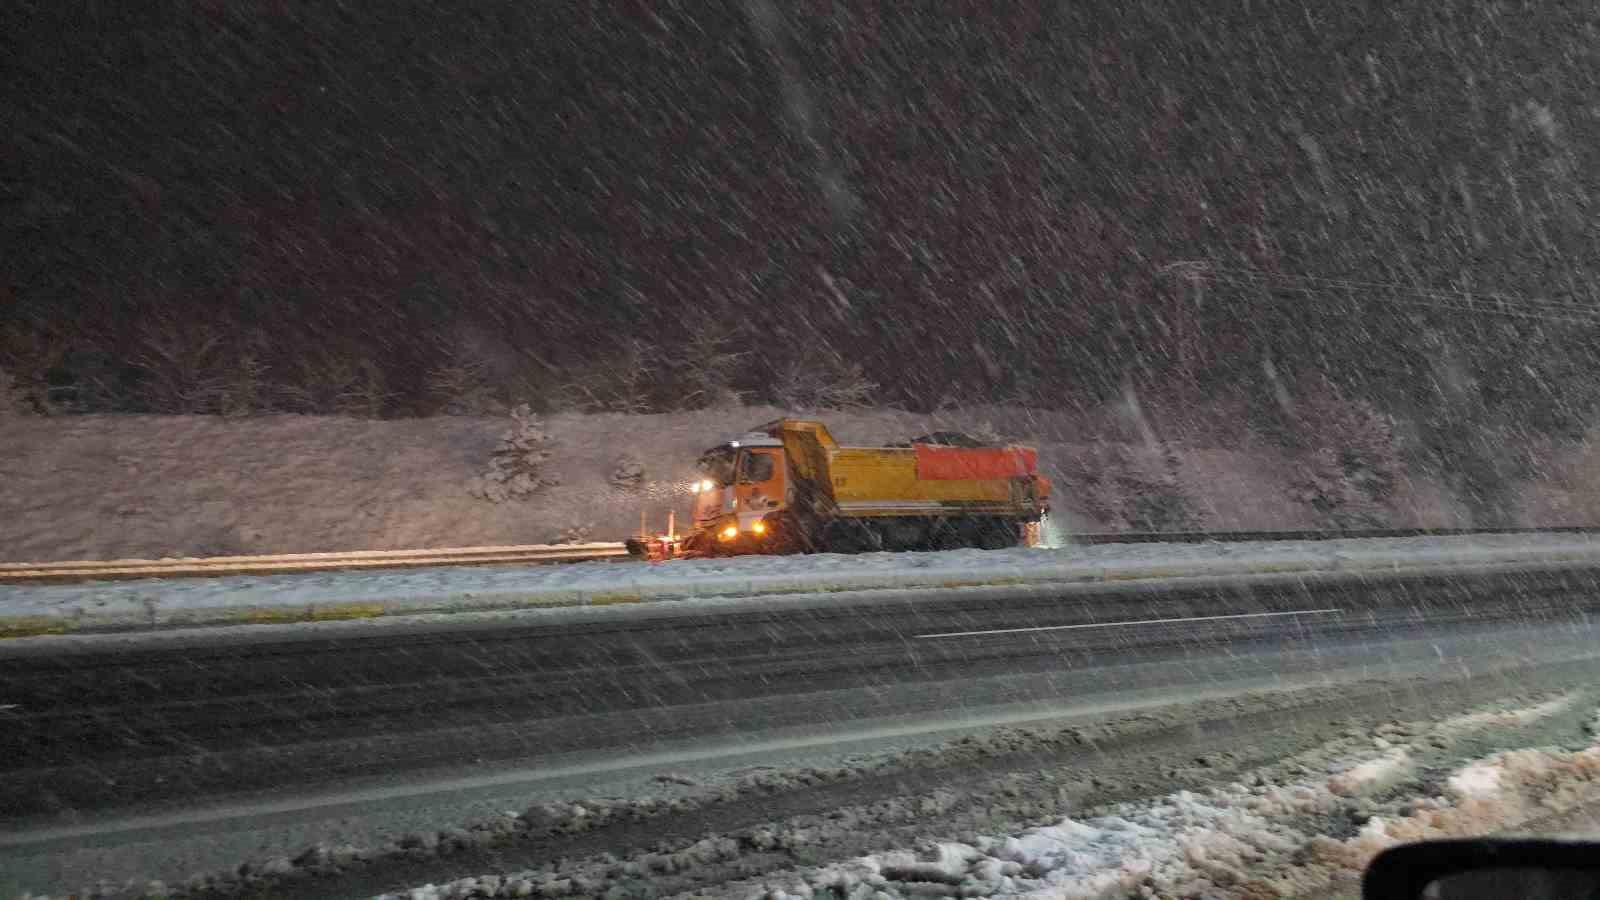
[327,382]
[624,382]
[29,355]
[180,367]
[823,381]
[462,384]
[707,368]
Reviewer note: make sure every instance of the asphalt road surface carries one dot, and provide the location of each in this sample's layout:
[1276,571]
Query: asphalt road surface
[98,727]
[92,729]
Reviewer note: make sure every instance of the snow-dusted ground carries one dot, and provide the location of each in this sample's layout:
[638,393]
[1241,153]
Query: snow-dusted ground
[119,487]
[1238,839]
[1255,837]
[331,595]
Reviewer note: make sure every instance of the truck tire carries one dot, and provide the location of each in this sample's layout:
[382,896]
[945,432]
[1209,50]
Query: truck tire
[790,534]
[905,534]
[944,534]
[850,536]
[998,534]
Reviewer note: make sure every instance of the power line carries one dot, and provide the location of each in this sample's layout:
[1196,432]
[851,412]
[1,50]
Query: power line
[1469,303]
[1397,294]
[1401,295]
[1511,299]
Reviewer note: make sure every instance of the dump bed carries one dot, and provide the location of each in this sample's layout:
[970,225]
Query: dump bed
[923,479]
[876,481]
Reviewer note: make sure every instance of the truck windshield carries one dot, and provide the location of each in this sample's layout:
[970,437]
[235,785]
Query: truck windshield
[717,465]
[757,466]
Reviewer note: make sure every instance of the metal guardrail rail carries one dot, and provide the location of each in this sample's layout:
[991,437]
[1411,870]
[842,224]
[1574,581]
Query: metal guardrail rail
[287,563]
[1235,537]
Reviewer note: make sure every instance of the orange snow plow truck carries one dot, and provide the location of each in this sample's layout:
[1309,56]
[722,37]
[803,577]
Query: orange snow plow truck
[788,487]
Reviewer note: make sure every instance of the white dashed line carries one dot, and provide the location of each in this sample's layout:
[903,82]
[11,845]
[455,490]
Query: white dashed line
[1293,612]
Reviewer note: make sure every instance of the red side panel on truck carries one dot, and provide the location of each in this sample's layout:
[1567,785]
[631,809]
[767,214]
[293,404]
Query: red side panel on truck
[936,462]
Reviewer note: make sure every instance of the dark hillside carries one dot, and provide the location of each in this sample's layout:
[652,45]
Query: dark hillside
[368,207]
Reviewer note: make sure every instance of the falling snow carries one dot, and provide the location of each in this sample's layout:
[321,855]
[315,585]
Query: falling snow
[1334,262]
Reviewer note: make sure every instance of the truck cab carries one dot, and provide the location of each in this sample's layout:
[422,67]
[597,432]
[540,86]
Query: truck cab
[743,483]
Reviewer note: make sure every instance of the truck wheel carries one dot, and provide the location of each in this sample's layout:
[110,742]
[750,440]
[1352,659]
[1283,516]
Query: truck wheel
[998,534]
[788,535]
[909,534]
[943,534]
[851,537]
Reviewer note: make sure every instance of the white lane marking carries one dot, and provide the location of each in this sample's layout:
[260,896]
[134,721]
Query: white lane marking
[1292,612]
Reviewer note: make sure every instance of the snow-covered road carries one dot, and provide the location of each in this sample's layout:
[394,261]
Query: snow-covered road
[1402,630]
[993,753]
[43,609]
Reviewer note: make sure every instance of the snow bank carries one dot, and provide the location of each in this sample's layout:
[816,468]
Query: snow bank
[1372,775]
[1245,840]
[1494,794]
[1316,817]
[1476,782]
[38,609]
[1266,836]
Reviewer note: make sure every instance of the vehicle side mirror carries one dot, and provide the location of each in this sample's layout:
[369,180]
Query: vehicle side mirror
[1484,868]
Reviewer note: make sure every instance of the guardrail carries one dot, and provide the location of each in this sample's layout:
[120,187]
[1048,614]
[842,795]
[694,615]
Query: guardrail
[1234,537]
[285,563]
[535,554]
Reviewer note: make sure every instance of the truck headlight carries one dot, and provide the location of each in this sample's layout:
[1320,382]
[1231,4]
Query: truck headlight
[731,532]
[759,527]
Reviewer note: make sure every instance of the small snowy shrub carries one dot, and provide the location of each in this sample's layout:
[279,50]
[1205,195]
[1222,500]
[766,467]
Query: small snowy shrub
[577,534]
[516,466]
[244,389]
[1349,460]
[627,473]
[1132,492]
[12,401]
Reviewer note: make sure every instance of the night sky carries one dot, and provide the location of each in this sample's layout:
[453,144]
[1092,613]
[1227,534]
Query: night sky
[973,200]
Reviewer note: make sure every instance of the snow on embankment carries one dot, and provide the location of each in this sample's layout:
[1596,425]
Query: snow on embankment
[1255,839]
[45,609]
[1295,823]
[1294,828]
[147,487]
